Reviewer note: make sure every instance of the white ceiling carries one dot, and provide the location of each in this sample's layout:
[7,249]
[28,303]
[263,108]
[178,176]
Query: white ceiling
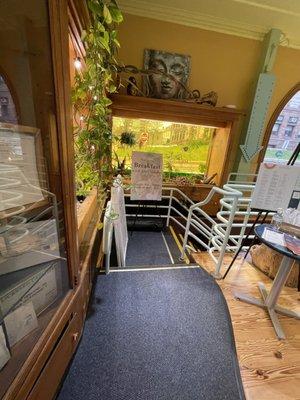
[246,18]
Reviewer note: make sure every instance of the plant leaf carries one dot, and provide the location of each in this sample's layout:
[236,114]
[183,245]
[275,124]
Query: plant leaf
[95,7]
[107,15]
[115,14]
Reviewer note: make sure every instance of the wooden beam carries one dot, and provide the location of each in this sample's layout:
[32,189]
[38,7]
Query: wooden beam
[172,110]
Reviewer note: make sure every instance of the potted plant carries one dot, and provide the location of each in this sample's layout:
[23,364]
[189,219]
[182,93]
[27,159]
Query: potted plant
[127,139]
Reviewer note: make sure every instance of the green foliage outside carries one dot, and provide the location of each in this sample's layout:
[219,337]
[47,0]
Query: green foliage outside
[278,154]
[93,84]
[185,148]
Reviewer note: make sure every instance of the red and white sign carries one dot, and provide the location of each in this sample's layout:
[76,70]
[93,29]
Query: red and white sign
[144,138]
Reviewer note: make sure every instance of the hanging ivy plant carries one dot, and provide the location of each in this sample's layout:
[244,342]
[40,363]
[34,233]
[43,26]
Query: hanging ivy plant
[93,84]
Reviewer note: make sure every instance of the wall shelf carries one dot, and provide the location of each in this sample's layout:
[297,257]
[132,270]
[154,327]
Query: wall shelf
[174,110]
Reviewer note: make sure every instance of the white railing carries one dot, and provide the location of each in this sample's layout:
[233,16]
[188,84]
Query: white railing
[220,232]
[216,235]
[176,198]
[196,223]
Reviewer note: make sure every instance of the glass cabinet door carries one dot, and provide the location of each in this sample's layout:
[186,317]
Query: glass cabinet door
[34,274]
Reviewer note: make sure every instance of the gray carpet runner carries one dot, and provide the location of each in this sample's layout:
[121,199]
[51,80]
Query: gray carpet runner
[156,335]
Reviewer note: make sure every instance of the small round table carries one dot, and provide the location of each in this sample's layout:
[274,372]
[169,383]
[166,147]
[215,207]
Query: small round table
[269,300]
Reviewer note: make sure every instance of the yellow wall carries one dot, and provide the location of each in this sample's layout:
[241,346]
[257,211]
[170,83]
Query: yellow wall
[224,63]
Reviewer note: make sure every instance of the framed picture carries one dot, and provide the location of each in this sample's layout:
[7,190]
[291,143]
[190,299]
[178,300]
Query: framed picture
[22,167]
[160,85]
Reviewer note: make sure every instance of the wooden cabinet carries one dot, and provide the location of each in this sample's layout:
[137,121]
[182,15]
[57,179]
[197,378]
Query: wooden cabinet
[63,351]
[36,143]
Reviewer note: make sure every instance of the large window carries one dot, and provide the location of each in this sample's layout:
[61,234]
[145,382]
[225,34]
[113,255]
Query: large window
[185,148]
[285,132]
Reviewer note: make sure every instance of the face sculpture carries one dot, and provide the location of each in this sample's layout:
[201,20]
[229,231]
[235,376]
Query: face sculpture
[161,86]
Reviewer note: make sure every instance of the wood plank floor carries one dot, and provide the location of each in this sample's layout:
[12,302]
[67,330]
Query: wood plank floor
[270,368]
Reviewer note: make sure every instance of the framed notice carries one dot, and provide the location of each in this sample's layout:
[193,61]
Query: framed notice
[20,166]
[277,186]
[146,176]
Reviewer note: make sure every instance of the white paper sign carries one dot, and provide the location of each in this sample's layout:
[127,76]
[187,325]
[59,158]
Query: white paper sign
[4,352]
[20,322]
[273,237]
[120,223]
[146,176]
[277,186]
[43,292]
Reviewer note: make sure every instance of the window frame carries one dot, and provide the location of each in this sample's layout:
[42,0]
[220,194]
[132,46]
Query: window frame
[272,121]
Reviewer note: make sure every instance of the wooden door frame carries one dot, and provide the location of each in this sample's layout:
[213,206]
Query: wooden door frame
[58,21]
[283,102]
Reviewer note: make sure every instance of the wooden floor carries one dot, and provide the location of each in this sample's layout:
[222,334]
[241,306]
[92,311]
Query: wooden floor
[270,368]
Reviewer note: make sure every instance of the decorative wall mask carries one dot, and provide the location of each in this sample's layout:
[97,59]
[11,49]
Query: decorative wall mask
[164,76]
[161,85]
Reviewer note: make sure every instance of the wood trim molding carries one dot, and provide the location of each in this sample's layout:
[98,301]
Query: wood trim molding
[273,119]
[79,19]
[175,111]
[85,213]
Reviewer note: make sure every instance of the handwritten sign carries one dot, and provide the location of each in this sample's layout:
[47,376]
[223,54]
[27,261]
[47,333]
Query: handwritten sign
[277,186]
[146,176]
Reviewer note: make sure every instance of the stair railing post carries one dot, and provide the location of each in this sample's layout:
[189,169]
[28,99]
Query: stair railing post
[169,207]
[186,234]
[217,273]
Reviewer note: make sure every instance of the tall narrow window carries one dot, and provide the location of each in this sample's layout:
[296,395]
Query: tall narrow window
[285,134]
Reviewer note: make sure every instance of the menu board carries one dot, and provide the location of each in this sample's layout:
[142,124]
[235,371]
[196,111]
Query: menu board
[19,179]
[120,223]
[277,186]
[146,176]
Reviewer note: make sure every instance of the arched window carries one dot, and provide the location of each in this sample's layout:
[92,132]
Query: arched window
[283,130]
[8,112]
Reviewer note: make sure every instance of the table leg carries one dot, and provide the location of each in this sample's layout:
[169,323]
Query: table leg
[269,299]
[279,281]
[271,311]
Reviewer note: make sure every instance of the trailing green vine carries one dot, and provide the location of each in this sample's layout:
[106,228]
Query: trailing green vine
[93,84]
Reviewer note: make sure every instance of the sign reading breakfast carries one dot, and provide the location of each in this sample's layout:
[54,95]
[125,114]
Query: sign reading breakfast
[146,176]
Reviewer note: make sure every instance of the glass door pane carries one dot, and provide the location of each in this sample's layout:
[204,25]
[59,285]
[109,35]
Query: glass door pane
[33,260]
